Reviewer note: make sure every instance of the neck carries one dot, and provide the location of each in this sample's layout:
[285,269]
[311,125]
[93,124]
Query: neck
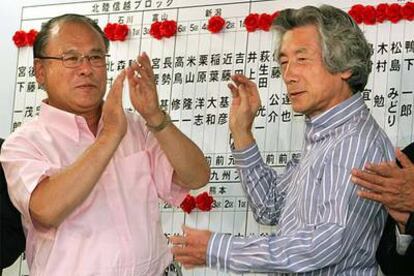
[92,119]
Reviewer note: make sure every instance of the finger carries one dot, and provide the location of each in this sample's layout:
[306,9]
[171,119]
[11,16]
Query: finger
[234,90]
[404,160]
[178,250]
[371,196]
[235,79]
[385,169]
[367,184]
[244,96]
[132,78]
[115,94]
[240,79]
[145,65]
[178,240]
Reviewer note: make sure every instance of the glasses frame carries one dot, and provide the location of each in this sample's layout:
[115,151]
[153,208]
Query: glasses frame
[80,59]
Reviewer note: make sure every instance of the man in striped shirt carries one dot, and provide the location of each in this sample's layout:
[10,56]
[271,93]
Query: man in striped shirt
[324,227]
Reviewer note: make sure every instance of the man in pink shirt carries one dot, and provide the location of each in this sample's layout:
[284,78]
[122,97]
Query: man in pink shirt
[86,175]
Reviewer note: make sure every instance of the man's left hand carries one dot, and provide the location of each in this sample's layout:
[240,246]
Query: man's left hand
[143,90]
[190,249]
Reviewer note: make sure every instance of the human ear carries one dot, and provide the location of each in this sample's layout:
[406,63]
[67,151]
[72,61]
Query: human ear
[346,74]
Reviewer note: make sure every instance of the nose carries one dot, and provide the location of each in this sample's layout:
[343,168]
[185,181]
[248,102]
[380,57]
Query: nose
[85,67]
[289,73]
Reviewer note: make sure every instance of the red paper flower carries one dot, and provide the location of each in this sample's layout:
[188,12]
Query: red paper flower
[168,28]
[116,32]
[275,14]
[394,13]
[357,13]
[121,32]
[19,38]
[407,11]
[370,15]
[31,37]
[204,201]
[155,31]
[251,22]
[381,12]
[188,204]
[265,21]
[109,31]
[215,24]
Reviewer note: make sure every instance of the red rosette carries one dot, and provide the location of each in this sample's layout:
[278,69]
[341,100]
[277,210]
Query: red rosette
[155,31]
[19,38]
[168,28]
[357,13]
[275,15]
[407,11]
[121,32]
[370,15]
[251,22]
[31,37]
[394,13]
[188,204]
[265,21]
[109,31]
[381,12]
[216,24]
[204,201]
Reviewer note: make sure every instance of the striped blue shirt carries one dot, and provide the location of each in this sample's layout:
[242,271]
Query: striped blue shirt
[324,227]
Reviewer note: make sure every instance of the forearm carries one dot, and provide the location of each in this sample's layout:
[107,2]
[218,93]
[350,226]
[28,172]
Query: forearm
[262,185]
[55,197]
[190,166]
[308,249]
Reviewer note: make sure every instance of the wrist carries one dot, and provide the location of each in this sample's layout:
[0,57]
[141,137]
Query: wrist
[158,122]
[243,139]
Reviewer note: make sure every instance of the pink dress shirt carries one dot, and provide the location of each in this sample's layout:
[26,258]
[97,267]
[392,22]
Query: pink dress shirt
[117,229]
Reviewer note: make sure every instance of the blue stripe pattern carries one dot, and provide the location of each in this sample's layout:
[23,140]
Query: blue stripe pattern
[324,227]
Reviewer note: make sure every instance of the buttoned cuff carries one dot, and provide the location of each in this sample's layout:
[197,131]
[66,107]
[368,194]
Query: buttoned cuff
[218,251]
[248,157]
[403,241]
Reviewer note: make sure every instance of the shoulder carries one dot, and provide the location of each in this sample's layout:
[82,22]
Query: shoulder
[24,138]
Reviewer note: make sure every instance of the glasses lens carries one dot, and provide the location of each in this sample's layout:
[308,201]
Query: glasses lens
[71,60]
[97,60]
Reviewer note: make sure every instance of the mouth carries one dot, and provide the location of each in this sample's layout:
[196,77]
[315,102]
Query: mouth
[295,94]
[86,86]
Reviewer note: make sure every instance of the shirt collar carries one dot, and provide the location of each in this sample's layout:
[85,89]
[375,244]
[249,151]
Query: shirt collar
[322,124]
[64,122]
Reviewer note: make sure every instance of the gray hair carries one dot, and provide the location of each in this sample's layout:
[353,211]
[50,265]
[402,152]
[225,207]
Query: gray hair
[43,36]
[343,44]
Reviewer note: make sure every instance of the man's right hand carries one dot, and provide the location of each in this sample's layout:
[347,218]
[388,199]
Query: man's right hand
[245,104]
[113,115]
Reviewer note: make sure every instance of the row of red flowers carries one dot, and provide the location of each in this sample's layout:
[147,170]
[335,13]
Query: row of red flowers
[165,29]
[22,38]
[203,201]
[371,15]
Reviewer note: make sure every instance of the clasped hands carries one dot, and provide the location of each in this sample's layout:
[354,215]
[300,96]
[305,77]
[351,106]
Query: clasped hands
[143,96]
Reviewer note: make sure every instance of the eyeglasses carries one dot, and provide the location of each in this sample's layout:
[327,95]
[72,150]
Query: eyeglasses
[75,60]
